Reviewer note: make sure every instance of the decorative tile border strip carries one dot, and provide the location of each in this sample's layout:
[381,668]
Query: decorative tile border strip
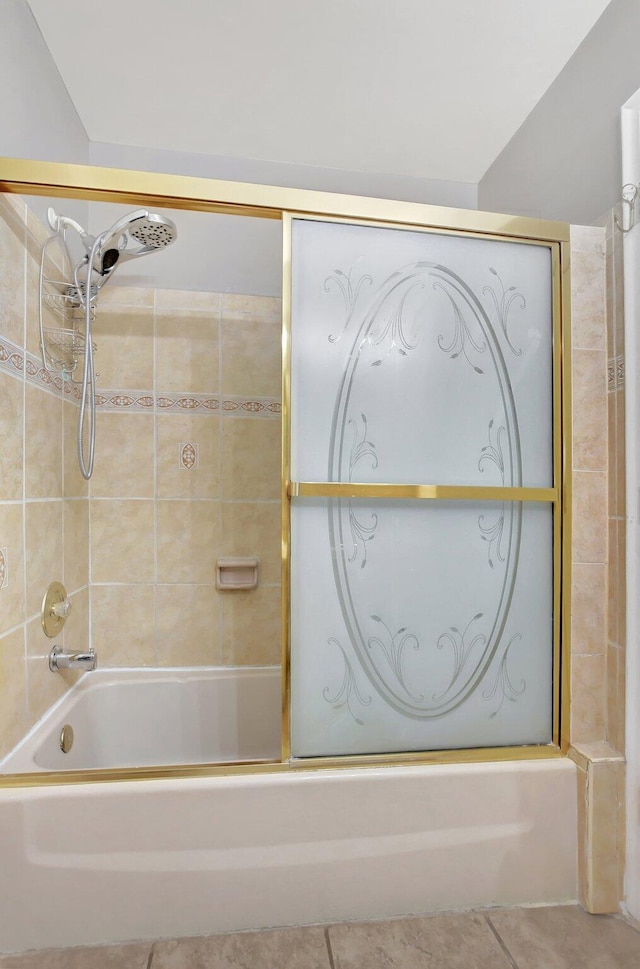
[192,403]
[15,360]
[144,401]
[252,406]
[37,376]
[11,357]
[620,371]
[73,391]
[116,401]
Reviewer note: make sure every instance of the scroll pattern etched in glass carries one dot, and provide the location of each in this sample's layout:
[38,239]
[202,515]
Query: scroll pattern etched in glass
[420,358]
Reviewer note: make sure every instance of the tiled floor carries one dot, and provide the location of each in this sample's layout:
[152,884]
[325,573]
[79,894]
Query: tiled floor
[563,937]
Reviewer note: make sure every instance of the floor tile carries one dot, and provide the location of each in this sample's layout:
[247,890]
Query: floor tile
[281,949]
[134,956]
[565,937]
[435,942]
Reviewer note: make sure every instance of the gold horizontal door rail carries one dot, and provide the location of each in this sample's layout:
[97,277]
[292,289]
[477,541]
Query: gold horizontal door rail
[334,489]
[260,201]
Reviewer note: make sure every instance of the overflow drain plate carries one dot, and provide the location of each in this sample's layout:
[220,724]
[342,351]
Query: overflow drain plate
[66,738]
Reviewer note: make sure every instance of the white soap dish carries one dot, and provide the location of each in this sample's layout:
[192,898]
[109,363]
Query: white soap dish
[234,573]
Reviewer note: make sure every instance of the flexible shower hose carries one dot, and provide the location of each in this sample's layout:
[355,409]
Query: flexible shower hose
[88,402]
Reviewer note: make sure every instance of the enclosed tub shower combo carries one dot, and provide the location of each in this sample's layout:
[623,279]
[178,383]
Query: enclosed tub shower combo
[425,556]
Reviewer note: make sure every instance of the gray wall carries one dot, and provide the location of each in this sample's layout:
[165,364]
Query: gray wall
[37,117]
[224,253]
[461,194]
[564,162]
[240,255]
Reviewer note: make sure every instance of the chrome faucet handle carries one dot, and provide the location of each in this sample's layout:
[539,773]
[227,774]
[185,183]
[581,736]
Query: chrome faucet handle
[55,609]
[61,609]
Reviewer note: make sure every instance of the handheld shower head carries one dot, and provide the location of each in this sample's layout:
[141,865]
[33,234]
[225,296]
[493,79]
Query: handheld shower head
[135,234]
[153,230]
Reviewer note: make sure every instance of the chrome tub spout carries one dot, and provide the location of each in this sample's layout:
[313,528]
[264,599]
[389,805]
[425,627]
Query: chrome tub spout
[59,660]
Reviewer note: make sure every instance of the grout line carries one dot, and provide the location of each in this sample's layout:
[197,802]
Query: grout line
[154,381]
[151,954]
[14,629]
[512,961]
[228,501]
[329,949]
[166,585]
[149,498]
[33,501]
[87,498]
[221,475]
[65,519]
[25,640]
[611,454]
[602,349]
[90,551]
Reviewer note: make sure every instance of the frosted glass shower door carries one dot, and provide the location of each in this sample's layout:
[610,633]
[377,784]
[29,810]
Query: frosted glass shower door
[424,504]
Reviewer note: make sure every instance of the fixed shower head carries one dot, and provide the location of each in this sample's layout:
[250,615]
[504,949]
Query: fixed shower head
[135,234]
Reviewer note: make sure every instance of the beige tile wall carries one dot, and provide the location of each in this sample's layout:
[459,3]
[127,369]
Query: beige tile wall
[597,274]
[590,468]
[185,368]
[616,498]
[601,826]
[43,526]
[598,599]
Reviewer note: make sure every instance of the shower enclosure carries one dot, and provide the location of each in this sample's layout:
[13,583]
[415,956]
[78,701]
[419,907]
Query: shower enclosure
[425,422]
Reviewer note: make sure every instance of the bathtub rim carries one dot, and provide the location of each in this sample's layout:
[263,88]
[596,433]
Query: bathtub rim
[292,767]
[48,778]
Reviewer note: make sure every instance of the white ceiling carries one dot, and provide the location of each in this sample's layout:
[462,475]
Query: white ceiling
[426,88]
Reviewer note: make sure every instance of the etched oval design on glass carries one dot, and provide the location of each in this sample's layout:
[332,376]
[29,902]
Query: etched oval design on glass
[423,309]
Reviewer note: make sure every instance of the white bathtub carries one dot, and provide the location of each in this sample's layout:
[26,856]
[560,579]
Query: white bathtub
[111,862]
[146,718]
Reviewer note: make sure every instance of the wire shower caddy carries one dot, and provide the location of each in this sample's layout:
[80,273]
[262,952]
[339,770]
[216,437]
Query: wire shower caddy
[62,319]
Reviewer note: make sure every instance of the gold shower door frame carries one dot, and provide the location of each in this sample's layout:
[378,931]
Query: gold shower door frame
[262,201]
